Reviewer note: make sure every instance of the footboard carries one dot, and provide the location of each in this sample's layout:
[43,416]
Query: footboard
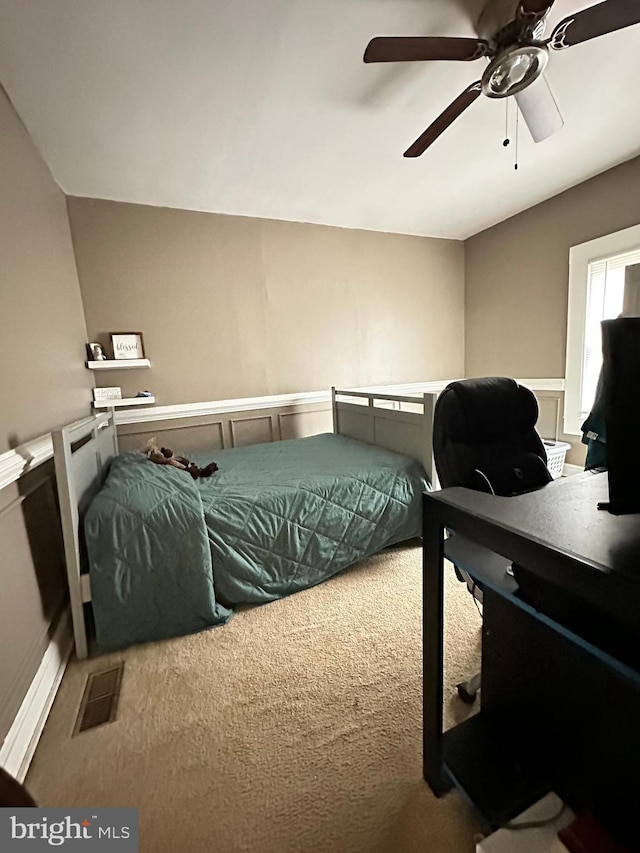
[401,424]
[82,452]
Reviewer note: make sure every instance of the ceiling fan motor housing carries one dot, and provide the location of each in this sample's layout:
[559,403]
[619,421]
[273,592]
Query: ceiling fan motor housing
[518,60]
[515,69]
[499,24]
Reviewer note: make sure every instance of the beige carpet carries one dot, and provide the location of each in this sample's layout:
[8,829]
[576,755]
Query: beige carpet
[296,728]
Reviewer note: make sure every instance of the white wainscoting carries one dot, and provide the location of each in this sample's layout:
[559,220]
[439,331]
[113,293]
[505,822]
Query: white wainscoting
[26,457]
[21,741]
[243,404]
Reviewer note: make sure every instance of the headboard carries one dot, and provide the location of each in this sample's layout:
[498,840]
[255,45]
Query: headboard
[381,421]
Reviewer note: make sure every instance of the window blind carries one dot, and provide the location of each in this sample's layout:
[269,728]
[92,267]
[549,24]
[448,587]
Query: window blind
[631,304]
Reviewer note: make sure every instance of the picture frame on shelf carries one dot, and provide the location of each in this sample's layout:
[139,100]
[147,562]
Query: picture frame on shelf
[127,345]
[101,394]
[95,352]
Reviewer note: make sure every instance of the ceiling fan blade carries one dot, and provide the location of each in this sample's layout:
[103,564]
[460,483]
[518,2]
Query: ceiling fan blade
[416,48]
[443,121]
[595,21]
[539,110]
[535,7]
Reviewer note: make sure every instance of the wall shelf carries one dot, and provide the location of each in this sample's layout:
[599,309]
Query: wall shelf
[125,401]
[119,364]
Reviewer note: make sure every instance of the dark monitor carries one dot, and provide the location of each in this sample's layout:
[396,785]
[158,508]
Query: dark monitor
[621,394]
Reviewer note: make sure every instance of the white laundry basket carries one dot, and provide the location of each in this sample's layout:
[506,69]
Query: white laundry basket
[556,452]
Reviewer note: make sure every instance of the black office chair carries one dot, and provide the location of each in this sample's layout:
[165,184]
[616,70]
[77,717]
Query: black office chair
[484,438]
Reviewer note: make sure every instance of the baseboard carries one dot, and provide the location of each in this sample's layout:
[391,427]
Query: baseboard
[21,741]
[568,470]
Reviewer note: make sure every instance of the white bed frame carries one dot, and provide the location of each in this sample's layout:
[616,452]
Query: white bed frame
[82,452]
[387,424]
[84,449]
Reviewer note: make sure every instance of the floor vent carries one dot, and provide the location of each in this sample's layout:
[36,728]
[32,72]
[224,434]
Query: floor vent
[100,699]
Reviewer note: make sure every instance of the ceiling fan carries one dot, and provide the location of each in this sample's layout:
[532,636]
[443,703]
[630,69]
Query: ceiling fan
[512,40]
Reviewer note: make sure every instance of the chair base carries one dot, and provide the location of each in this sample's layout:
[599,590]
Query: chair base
[468,690]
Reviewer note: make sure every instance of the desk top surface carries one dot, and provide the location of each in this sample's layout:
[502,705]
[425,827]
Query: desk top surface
[564,517]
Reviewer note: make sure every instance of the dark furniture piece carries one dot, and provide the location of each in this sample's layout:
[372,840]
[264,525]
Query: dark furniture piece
[621,403]
[568,722]
[13,794]
[485,438]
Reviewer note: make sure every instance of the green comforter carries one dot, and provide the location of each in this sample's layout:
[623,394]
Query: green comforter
[167,552]
[149,558]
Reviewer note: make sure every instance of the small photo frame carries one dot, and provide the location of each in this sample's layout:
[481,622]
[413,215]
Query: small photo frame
[95,352]
[127,345]
[102,394]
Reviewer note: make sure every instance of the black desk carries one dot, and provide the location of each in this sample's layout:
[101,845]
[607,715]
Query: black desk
[559,712]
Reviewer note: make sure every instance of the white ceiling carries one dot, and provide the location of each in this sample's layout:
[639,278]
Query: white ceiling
[265,108]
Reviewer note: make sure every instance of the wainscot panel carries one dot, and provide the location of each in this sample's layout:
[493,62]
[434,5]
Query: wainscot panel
[32,578]
[185,435]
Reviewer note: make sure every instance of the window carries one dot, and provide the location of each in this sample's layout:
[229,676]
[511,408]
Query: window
[604,281]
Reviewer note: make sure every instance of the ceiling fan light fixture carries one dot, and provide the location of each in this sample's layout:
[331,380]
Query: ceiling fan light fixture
[514,70]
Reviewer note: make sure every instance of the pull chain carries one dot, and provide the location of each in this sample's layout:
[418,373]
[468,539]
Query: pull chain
[506,141]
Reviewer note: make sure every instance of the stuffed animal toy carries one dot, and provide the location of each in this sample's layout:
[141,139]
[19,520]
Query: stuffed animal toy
[164,456]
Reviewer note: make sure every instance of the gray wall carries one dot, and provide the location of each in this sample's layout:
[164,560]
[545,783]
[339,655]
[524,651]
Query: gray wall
[43,384]
[234,307]
[517,276]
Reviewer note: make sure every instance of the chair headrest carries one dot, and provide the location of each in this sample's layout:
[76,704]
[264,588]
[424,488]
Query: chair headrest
[488,409]
[484,431]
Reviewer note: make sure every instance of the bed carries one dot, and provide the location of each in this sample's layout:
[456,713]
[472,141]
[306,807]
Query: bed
[153,554]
